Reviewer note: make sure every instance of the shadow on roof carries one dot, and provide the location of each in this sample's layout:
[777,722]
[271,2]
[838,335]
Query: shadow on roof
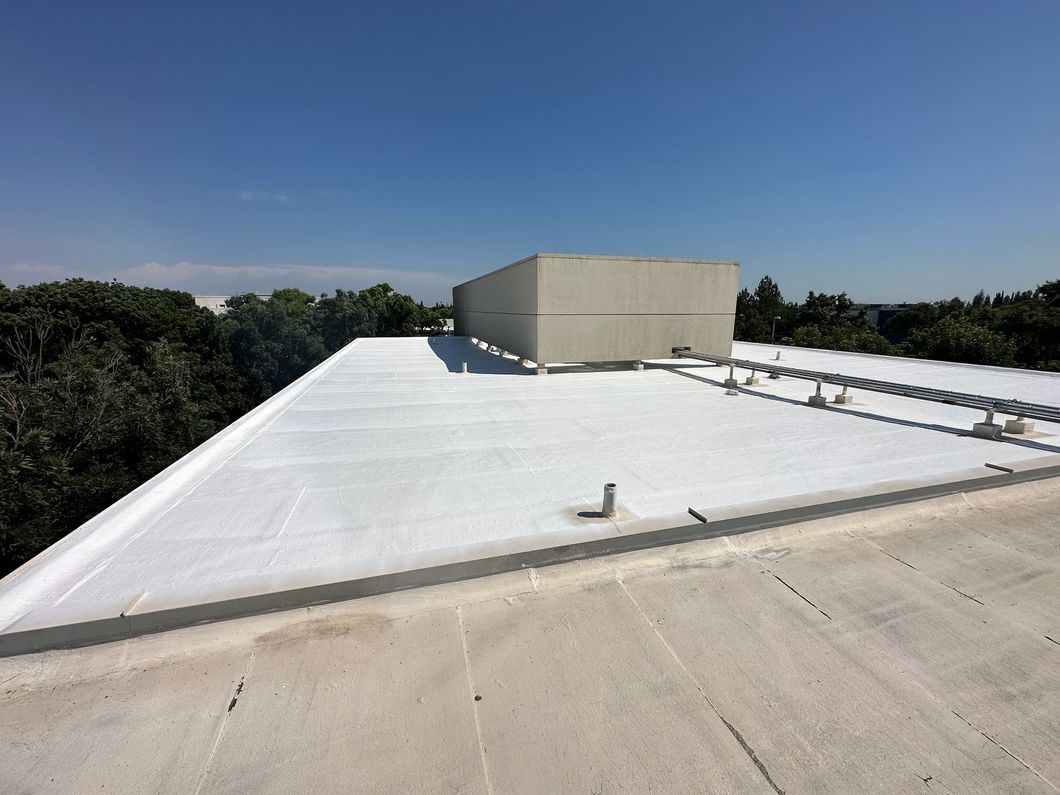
[455,351]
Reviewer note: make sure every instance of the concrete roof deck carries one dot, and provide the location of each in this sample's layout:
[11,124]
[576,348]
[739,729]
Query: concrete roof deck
[385,459]
[912,648]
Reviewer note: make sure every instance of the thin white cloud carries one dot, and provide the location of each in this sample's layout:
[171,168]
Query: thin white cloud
[210,279]
[264,196]
[183,271]
[25,273]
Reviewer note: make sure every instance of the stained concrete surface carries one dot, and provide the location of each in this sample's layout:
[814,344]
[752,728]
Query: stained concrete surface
[590,670]
[389,698]
[862,653]
[147,724]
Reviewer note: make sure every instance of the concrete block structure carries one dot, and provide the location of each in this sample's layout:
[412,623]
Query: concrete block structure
[585,308]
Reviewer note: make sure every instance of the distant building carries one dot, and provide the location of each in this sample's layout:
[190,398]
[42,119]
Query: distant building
[879,314]
[218,304]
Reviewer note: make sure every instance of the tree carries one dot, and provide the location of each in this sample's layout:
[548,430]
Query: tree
[834,322]
[901,325]
[1033,328]
[767,294]
[273,341]
[755,312]
[1049,294]
[843,338]
[374,312]
[957,340]
[105,385]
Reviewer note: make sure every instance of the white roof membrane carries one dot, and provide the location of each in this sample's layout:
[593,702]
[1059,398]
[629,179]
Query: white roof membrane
[387,459]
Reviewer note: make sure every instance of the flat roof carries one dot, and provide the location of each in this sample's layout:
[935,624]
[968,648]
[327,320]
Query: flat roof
[904,649]
[386,460]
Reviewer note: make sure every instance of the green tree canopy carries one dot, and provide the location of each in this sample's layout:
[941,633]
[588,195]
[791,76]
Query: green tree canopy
[756,312]
[954,339]
[103,385]
[835,322]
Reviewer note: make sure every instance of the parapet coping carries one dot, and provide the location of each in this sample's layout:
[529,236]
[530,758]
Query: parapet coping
[553,255]
[597,540]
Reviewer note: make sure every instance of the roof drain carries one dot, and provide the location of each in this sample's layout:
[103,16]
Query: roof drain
[610,495]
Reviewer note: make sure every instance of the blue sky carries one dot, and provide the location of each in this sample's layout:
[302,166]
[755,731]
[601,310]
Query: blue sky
[897,151]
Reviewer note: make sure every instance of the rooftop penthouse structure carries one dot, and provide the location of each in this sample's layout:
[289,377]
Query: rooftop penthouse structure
[586,308]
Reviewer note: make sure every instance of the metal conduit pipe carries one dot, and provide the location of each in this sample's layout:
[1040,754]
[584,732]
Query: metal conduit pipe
[1017,408]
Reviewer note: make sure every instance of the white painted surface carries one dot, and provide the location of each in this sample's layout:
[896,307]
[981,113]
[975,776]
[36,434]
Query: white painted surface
[385,458]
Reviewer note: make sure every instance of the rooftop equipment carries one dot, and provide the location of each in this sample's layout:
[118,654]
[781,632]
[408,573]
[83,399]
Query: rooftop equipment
[1018,408]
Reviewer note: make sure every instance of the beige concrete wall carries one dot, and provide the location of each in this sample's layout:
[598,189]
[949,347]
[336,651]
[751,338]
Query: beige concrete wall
[595,308]
[615,338]
[581,308]
[501,308]
[570,284]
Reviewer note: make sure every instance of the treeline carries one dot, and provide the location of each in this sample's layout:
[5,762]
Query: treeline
[103,385]
[1019,329]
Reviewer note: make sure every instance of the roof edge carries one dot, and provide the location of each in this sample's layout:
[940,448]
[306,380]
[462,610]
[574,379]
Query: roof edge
[717,523]
[559,255]
[637,257]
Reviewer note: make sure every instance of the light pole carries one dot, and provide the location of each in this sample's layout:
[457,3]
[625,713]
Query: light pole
[773,336]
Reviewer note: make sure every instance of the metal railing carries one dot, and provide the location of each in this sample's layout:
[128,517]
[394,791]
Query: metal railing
[1017,408]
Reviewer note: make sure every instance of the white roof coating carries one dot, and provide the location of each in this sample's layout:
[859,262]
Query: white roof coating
[386,458]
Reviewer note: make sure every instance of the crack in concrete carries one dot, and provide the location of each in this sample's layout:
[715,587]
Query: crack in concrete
[1051,640]
[224,724]
[878,548]
[803,598]
[475,698]
[747,749]
[235,697]
[893,557]
[958,590]
[1003,748]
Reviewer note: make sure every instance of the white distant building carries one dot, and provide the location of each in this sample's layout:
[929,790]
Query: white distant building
[218,303]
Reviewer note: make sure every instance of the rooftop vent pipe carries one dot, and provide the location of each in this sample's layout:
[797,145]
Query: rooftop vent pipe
[610,496]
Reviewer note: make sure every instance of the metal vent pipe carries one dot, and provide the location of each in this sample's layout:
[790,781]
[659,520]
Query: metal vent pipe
[610,497]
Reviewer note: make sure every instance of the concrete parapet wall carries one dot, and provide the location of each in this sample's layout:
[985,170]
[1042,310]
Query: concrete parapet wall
[501,309]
